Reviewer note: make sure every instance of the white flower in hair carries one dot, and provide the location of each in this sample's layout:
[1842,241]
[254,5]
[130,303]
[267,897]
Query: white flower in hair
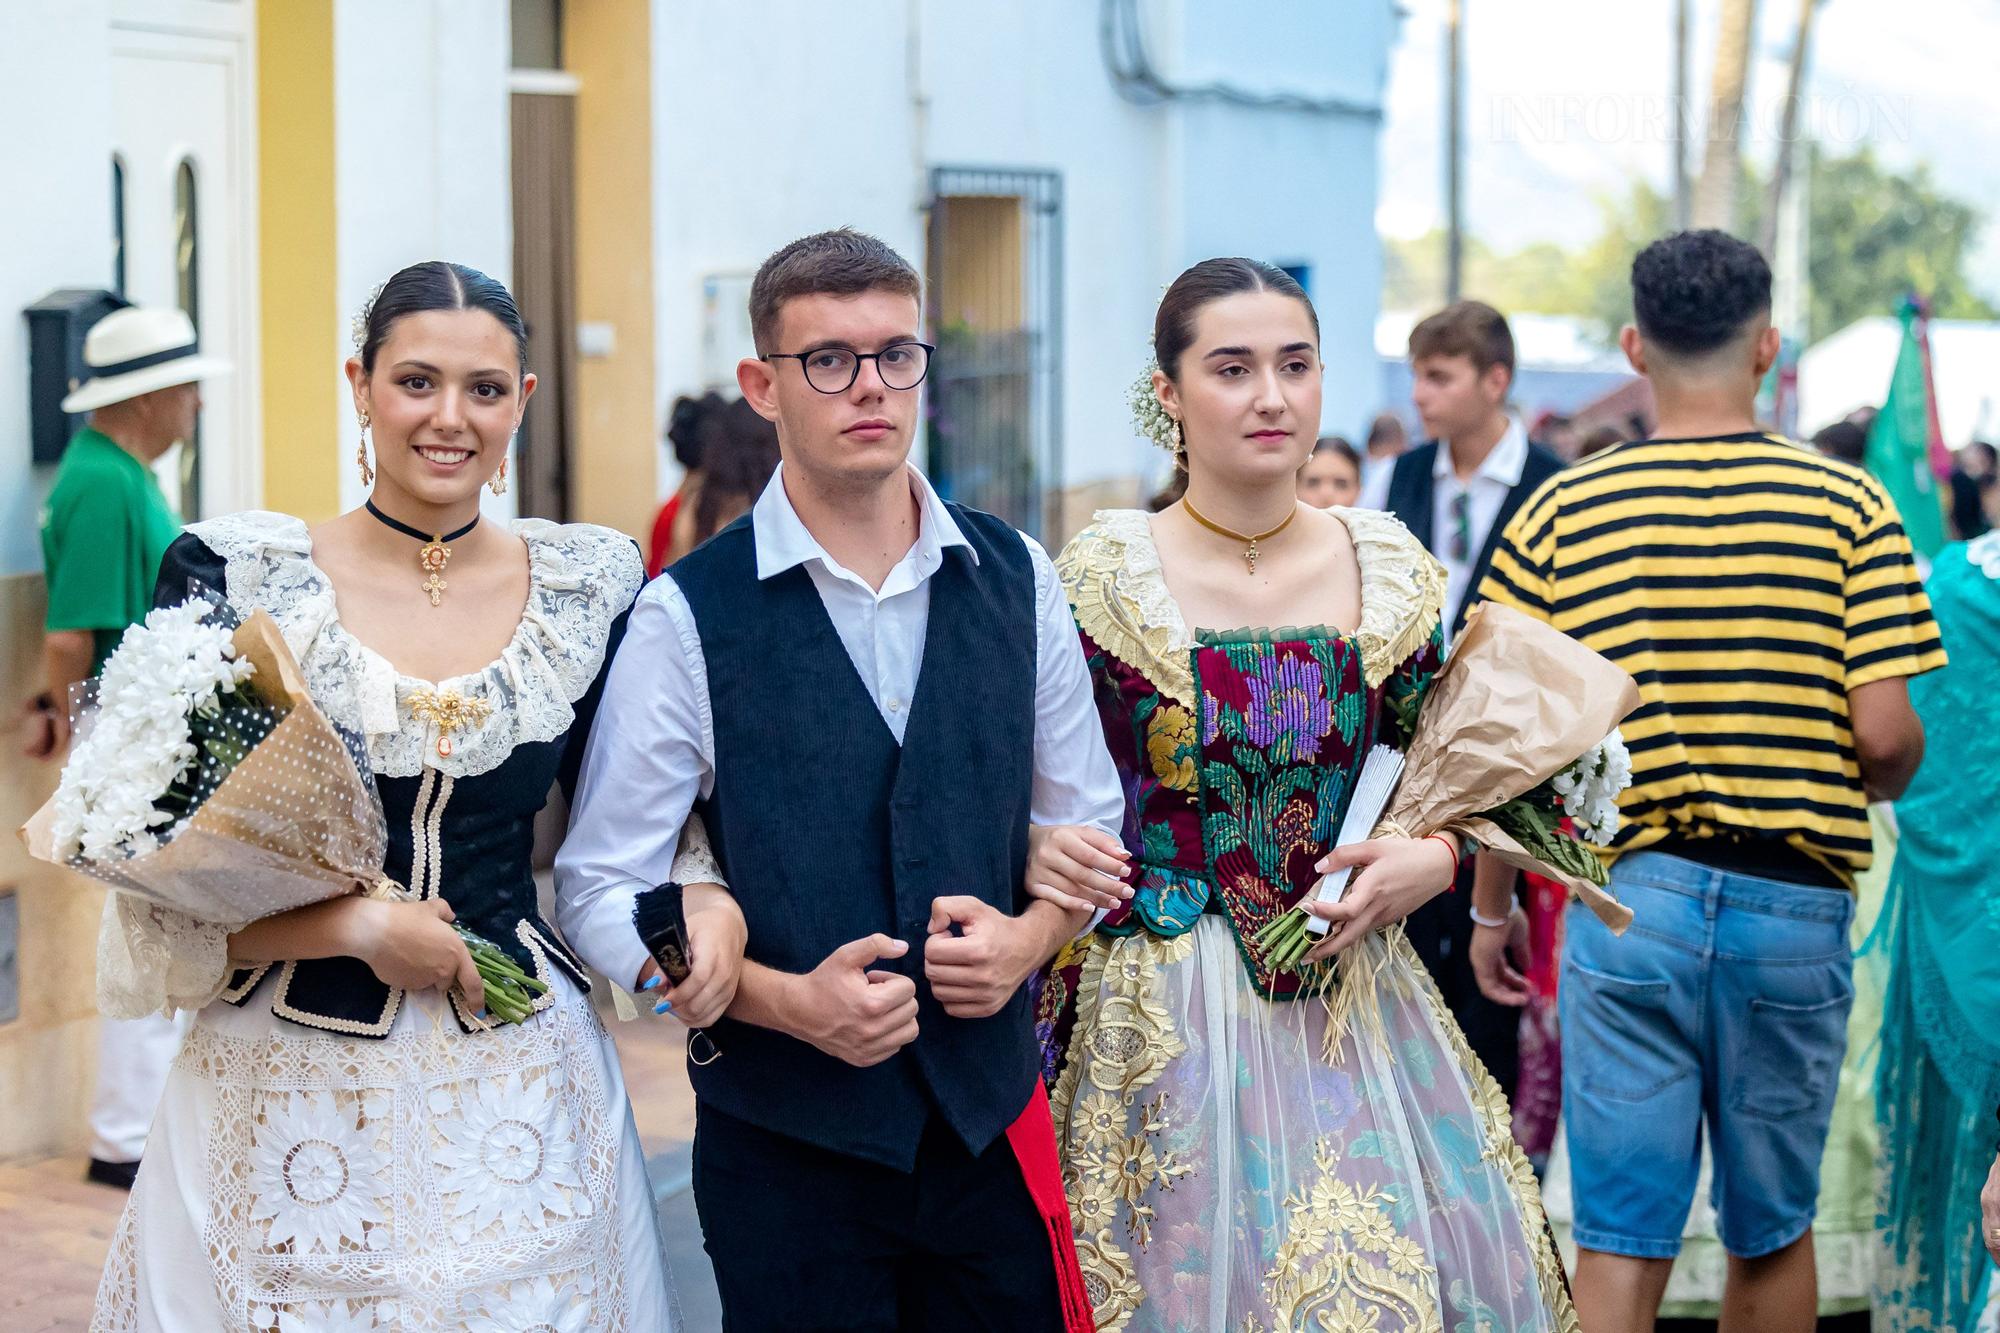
[359,329]
[1150,415]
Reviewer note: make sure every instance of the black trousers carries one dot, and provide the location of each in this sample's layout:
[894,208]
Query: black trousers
[1441,933]
[803,1238]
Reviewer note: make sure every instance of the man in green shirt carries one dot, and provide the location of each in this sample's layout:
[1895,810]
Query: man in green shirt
[107,524]
[106,527]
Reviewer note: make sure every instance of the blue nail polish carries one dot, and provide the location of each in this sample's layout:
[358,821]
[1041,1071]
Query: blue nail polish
[650,985]
[664,1007]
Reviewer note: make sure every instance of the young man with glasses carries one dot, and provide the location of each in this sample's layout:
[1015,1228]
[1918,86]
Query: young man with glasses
[1455,493]
[870,695]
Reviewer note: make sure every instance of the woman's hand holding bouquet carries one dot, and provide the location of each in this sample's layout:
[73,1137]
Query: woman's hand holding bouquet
[1517,732]
[204,778]
[1395,876]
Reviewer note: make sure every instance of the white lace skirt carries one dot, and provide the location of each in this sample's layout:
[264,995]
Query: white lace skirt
[1224,1173]
[431,1180]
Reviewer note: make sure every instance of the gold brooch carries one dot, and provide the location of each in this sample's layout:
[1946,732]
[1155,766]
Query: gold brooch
[449,712]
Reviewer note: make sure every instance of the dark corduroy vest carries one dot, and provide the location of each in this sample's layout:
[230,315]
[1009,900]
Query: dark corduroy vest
[828,831]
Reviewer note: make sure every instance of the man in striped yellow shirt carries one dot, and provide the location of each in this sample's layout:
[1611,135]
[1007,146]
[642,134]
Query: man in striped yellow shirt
[1766,601]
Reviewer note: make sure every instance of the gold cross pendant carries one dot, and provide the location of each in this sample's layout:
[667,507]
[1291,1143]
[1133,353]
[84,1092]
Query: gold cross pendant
[432,559]
[1251,556]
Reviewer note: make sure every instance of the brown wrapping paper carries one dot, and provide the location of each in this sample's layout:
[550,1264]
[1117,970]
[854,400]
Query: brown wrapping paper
[294,824]
[1515,703]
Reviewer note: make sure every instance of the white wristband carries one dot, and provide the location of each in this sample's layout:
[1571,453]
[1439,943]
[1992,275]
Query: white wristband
[1478,919]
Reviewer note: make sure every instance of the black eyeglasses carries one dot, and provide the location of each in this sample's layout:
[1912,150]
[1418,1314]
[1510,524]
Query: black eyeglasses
[834,369]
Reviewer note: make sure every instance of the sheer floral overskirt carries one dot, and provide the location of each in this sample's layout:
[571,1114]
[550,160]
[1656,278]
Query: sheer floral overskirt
[423,1181]
[1223,1174]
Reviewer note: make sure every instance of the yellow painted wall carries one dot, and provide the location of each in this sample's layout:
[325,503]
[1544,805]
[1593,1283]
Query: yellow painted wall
[614,459]
[296,248]
[48,1053]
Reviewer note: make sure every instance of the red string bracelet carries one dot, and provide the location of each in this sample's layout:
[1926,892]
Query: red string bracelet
[1450,845]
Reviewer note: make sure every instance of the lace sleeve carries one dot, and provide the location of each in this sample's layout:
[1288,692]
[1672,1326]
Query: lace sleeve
[695,862]
[152,959]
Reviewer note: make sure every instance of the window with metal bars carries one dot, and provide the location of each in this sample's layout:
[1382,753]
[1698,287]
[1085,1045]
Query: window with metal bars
[994,282]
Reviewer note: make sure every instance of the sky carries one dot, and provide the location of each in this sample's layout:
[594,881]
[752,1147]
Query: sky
[1568,100]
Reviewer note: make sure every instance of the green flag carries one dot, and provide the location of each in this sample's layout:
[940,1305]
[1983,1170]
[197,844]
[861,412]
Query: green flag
[1904,444]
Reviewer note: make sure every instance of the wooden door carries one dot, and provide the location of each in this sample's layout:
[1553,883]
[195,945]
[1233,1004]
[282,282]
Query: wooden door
[544,143]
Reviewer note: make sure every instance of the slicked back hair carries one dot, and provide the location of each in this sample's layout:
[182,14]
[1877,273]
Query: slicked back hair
[1212,280]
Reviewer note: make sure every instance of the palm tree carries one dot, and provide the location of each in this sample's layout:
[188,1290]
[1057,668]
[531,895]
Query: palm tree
[1781,171]
[1721,163]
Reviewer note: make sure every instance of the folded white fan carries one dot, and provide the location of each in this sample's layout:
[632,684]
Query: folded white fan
[1372,789]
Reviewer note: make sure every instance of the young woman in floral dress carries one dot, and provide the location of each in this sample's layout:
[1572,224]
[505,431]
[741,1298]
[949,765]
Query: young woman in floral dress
[1249,1150]
[345,1142]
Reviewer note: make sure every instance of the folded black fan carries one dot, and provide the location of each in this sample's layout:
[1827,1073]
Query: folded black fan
[662,925]
[661,921]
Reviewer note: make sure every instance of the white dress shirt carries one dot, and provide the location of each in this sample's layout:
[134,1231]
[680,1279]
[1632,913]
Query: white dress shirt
[651,753]
[1487,491]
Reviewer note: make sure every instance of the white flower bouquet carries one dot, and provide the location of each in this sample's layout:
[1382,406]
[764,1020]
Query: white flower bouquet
[205,778]
[1518,731]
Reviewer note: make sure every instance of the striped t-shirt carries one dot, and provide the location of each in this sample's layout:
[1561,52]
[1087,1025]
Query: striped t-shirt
[1747,584]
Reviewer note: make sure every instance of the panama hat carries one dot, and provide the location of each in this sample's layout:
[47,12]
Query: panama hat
[137,350]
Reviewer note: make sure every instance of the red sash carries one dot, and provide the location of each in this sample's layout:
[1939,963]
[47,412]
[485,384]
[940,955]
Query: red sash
[1033,1139]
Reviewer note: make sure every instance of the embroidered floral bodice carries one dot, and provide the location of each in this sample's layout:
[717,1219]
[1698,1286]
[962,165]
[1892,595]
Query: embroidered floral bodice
[1239,749]
[460,813]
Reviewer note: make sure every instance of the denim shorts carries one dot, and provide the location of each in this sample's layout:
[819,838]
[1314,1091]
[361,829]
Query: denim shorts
[1725,1005]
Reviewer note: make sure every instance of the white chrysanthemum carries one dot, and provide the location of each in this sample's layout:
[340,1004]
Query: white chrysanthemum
[1590,787]
[316,1177]
[137,742]
[510,1156]
[1149,415]
[537,1305]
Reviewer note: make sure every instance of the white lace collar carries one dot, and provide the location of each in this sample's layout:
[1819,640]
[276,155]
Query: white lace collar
[580,579]
[1119,593]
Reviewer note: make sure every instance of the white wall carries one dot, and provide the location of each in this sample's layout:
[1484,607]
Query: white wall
[768,127]
[54,68]
[770,122]
[421,161]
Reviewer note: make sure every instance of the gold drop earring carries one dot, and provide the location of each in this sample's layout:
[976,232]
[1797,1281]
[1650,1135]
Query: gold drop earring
[499,483]
[361,454]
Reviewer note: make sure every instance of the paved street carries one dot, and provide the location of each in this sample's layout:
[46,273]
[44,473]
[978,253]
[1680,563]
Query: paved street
[55,1228]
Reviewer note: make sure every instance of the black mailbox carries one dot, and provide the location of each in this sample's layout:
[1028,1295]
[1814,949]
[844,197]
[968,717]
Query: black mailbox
[56,327]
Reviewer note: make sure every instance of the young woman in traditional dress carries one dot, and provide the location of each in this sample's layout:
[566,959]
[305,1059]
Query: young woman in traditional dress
[1246,1149]
[345,1142]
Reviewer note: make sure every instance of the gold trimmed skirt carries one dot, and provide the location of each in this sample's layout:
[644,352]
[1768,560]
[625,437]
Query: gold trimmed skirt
[1257,1167]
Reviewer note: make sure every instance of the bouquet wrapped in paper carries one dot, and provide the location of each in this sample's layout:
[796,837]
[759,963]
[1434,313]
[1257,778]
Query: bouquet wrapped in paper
[1515,747]
[203,777]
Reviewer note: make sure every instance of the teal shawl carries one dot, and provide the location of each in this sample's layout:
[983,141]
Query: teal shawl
[1940,1068]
